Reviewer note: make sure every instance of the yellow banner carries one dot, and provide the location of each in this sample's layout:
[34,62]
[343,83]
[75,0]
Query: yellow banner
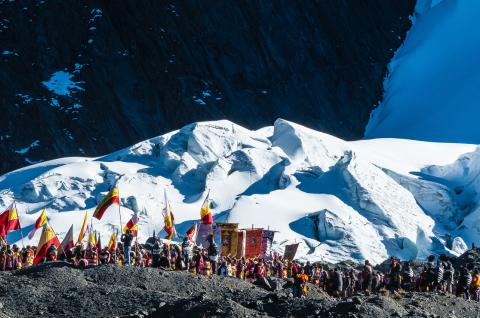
[229,238]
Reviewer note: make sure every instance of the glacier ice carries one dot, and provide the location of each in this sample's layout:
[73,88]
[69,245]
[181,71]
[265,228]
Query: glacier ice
[341,200]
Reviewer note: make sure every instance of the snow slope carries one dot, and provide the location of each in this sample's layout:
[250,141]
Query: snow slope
[341,200]
[432,91]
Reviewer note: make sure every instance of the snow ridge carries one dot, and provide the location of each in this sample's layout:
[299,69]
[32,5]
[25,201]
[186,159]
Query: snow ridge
[341,200]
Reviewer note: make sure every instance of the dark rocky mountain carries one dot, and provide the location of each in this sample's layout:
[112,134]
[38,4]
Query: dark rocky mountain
[89,77]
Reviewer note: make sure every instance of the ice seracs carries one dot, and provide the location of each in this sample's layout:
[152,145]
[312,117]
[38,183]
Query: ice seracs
[431,92]
[341,200]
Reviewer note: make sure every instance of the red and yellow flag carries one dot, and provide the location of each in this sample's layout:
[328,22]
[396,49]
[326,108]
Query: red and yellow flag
[132,225]
[47,239]
[111,198]
[112,244]
[206,216]
[13,221]
[168,221]
[83,230]
[41,221]
[192,233]
[9,220]
[67,243]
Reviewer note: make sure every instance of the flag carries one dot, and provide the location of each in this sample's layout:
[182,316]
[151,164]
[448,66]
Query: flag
[205,212]
[13,221]
[91,238]
[9,220]
[132,225]
[267,242]
[47,239]
[111,198]
[253,242]
[228,238]
[290,251]
[192,233]
[204,231]
[41,221]
[83,230]
[169,226]
[67,243]
[4,223]
[112,245]
[168,220]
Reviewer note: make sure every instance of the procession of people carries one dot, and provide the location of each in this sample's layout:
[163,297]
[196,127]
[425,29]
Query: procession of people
[436,275]
[199,253]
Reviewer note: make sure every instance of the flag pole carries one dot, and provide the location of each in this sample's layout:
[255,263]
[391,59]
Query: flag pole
[63,250]
[120,215]
[91,229]
[21,233]
[209,207]
[163,212]
[119,209]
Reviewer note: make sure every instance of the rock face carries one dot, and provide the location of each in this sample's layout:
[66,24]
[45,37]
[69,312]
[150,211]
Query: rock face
[88,77]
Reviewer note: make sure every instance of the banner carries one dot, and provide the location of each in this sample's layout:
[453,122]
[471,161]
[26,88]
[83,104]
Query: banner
[228,238]
[267,241]
[241,242]
[290,251]
[253,242]
[204,230]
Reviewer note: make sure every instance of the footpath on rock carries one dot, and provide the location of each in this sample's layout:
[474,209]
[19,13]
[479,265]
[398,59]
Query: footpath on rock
[110,291]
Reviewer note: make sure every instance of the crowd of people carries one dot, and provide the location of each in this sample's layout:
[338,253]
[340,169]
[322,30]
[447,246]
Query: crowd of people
[436,275]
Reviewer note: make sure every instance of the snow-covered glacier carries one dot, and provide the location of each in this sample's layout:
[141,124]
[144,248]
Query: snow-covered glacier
[432,92]
[341,200]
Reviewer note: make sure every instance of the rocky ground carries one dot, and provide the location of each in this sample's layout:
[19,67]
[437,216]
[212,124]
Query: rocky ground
[108,291]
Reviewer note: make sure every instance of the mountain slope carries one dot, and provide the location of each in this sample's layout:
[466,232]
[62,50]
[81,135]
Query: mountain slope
[432,91]
[342,200]
[89,77]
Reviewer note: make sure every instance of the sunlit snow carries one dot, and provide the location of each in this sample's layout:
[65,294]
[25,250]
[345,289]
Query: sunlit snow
[341,200]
